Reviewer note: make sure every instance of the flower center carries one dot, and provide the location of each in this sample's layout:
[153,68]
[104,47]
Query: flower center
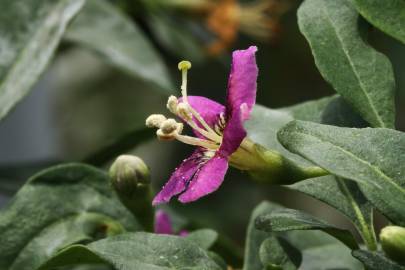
[169,129]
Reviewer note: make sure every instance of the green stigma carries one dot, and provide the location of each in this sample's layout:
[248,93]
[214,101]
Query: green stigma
[184,65]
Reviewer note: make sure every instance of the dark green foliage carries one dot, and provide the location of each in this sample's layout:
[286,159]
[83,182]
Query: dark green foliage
[283,220]
[30,33]
[103,28]
[387,15]
[376,261]
[372,157]
[60,206]
[137,251]
[363,76]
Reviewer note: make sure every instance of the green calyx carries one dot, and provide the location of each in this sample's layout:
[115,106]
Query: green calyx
[393,242]
[269,166]
[130,178]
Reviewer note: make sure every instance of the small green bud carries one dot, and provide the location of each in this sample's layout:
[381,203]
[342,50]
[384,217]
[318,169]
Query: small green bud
[130,178]
[128,172]
[393,242]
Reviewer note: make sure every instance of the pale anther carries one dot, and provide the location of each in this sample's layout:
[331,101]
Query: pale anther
[172,104]
[165,137]
[155,120]
[183,110]
[162,135]
[168,126]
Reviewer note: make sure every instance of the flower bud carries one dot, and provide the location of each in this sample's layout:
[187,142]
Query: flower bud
[130,178]
[393,242]
[127,172]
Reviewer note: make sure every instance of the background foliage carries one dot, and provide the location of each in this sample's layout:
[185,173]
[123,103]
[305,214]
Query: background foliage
[78,78]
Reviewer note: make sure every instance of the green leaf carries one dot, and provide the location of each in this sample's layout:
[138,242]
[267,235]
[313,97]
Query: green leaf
[112,107]
[103,28]
[332,110]
[332,257]
[320,251]
[376,261]
[387,15]
[255,238]
[262,128]
[283,220]
[173,35]
[204,238]
[30,31]
[363,76]
[372,157]
[264,122]
[273,256]
[57,207]
[137,251]
[346,197]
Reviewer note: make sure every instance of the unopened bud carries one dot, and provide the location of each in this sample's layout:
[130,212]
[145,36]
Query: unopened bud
[184,65]
[393,242]
[155,120]
[130,178]
[183,110]
[172,104]
[127,172]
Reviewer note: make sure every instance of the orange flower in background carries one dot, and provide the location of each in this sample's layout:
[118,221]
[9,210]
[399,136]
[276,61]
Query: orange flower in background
[223,22]
[259,19]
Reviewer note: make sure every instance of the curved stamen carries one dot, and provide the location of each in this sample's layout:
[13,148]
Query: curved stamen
[184,66]
[208,135]
[196,141]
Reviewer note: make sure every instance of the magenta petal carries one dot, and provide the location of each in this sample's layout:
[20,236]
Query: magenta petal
[234,133]
[242,81]
[163,224]
[207,180]
[183,233]
[179,179]
[240,100]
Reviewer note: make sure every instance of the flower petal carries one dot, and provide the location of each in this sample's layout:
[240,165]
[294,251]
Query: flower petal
[240,99]
[207,180]
[163,224]
[242,82]
[179,179]
[234,133]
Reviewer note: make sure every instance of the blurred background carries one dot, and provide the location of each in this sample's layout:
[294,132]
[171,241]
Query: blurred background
[82,104]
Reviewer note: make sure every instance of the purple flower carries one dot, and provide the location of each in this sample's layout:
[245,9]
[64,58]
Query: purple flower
[218,129]
[163,224]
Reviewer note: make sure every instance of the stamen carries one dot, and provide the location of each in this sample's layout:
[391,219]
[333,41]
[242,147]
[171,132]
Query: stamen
[205,125]
[169,126]
[155,120]
[206,134]
[184,66]
[167,133]
[183,110]
[197,142]
[172,104]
